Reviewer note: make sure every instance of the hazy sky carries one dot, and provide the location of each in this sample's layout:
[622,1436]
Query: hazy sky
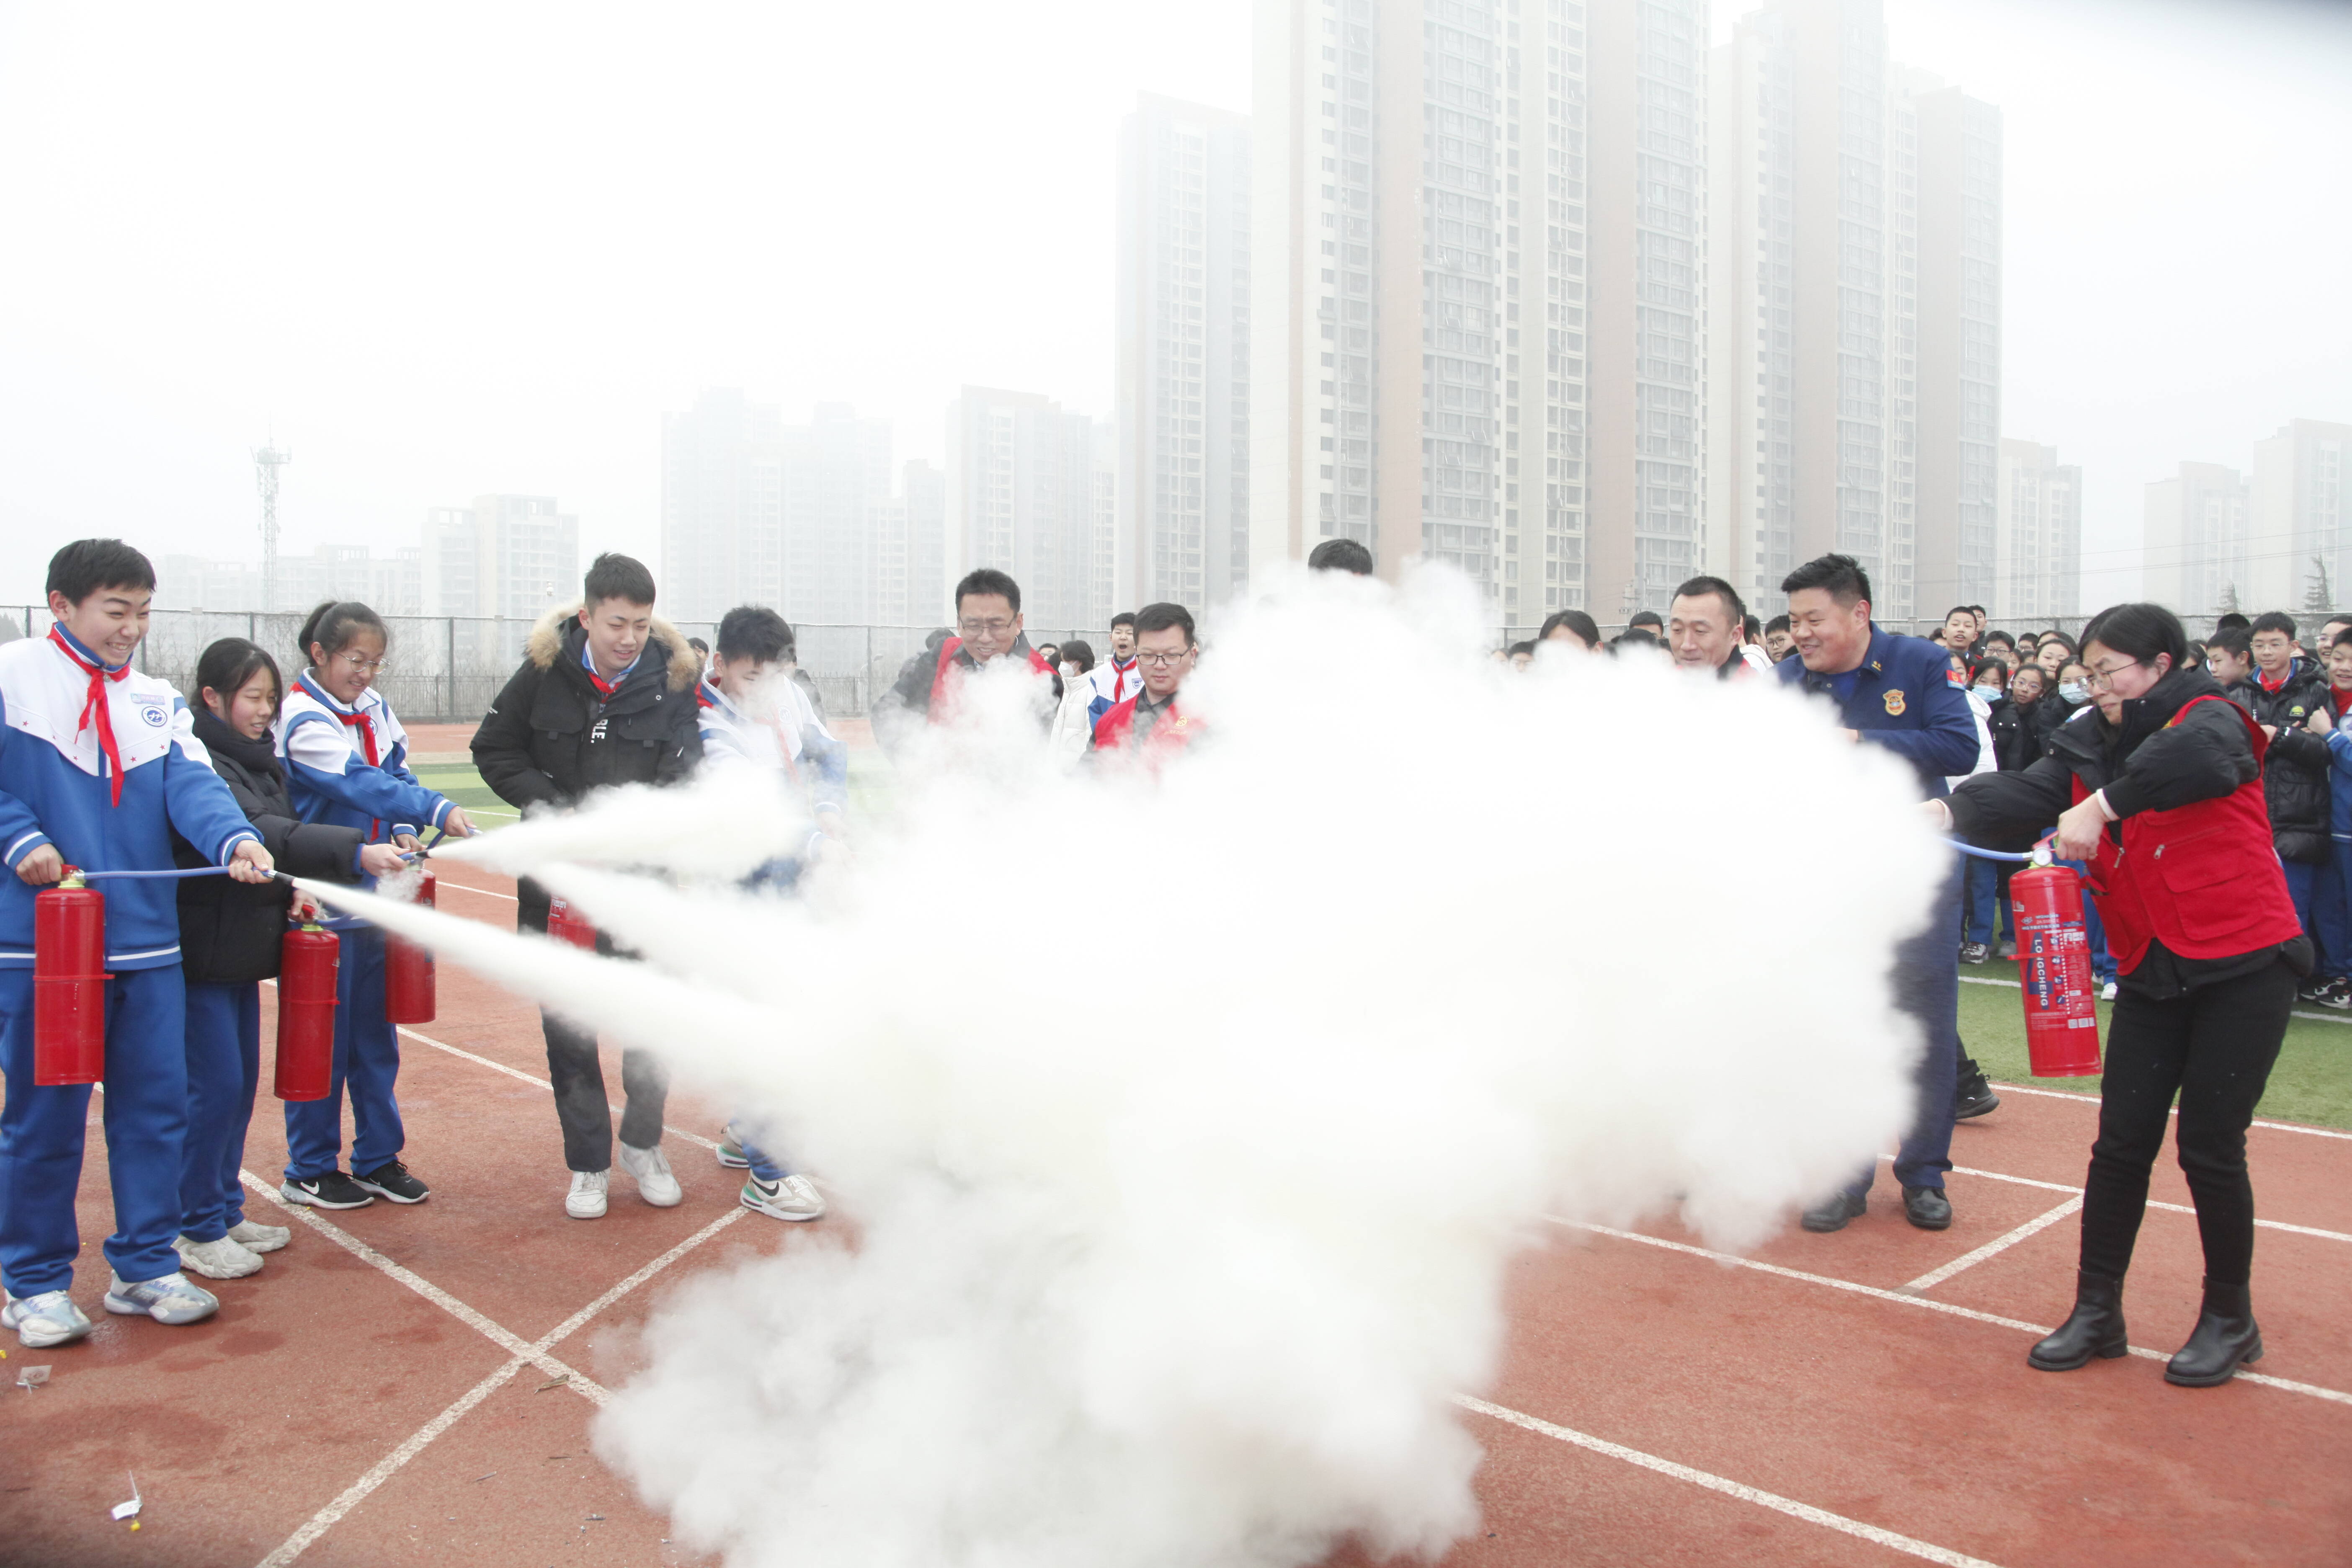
[449,250]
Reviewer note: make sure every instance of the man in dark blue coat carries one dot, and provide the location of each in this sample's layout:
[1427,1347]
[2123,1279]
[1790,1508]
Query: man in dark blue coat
[1895,692]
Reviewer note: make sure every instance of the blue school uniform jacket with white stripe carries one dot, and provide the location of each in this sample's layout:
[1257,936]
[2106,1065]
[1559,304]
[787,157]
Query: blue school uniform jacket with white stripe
[55,788]
[324,745]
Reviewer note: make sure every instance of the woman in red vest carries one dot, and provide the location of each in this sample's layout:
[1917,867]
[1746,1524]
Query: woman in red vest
[2162,794]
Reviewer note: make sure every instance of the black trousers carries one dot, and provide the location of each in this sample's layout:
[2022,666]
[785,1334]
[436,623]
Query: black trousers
[2215,1047]
[578,1075]
[580,1104]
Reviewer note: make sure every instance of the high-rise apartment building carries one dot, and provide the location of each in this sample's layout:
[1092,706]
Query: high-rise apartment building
[2194,542]
[833,472]
[1854,307]
[1022,497]
[1183,426]
[2037,540]
[722,507]
[923,488]
[1476,309]
[505,559]
[391,584]
[2299,528]
[760,512]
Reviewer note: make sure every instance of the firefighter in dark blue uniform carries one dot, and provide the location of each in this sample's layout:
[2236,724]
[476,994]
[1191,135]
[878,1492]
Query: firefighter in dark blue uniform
[1895,692]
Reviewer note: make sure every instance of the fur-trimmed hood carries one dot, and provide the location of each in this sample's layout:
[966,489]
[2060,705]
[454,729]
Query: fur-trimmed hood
[547,639]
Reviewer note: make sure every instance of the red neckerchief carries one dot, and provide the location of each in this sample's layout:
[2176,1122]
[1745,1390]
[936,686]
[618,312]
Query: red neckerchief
[2263,679]
[365,722]
[95,703]
[605,688]
[1119,685]
[2341,696]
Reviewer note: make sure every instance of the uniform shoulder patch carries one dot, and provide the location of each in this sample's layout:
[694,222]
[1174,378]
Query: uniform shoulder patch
[1894,703]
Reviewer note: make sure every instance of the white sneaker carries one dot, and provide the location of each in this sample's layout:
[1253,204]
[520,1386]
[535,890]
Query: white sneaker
[46,1319]
[167,1298]
[793,1198]
[656,1184]
[259,1237]
[2108,992]
[220,1259]
[587,1199]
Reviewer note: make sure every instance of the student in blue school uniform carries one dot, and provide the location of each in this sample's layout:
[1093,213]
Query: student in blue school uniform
[230,941]
[753,715]
[98,769]
[346,761]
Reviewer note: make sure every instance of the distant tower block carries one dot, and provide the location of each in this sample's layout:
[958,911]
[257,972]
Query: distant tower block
[267,460]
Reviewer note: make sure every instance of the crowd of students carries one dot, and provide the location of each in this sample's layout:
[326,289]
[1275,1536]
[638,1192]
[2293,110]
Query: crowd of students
[2017,737]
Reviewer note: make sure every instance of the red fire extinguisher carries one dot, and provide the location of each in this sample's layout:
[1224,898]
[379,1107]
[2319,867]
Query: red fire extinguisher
[2054,953]
[565,924]
[69,983]
[308,958]
[408,970]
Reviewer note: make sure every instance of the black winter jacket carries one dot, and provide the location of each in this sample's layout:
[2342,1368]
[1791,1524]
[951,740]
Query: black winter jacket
[230,931]
[2295,774]
[550,738]
[2016,737]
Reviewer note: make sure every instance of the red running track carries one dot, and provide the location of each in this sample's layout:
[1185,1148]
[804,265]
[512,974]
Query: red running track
[413,1385]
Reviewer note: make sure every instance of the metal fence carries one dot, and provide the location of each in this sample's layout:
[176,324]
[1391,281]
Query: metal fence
[442,670]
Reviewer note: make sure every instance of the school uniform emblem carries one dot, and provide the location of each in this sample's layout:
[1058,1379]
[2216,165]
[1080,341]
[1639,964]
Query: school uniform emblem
[1894,703]
[155,717]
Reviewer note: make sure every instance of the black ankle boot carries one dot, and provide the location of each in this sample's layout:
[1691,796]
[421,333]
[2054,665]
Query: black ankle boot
[2226,1336]
[2095,1328]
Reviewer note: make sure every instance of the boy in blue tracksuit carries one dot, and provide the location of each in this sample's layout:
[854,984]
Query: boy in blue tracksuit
[97,767]
[752,715]
[346,763]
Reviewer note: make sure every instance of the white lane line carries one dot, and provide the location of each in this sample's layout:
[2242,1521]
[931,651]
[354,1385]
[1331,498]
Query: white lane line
[1992,1248]
[2314,1017]
[2082,1099]
[504,1338]
[2152,1203]
[1715,1483]
[1926,1303]
[485,892]
[679,1133]
[326,1518]
[533,1355]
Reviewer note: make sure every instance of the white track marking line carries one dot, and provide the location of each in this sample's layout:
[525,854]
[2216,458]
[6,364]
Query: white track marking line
[2081,1098]
[2152,1203]
[498,1334]
[679,1133]
[1715,1483]
[1994,1247]
[485,892]
[326,1518]
[1927,1302]
[2314,1017]
[533,1355]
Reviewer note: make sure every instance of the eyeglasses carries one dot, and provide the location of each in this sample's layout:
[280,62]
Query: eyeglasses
[2104,680]
[993,628]
[365,666]
[1162,661]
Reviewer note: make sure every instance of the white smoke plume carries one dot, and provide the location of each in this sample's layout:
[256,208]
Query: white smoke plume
[1187,1122]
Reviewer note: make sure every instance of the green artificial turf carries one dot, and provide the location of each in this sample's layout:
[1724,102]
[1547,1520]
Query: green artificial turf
[2312,1082]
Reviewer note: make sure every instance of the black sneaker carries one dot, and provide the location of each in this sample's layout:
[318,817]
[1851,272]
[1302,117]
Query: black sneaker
[333,1191]
[1974,952]
[391,1180]
[2311,990]
[1976,1097]
[2339,994]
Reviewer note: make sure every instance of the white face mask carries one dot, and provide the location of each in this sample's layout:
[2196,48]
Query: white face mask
[2075,691]
[1069,672]
[1988,692]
